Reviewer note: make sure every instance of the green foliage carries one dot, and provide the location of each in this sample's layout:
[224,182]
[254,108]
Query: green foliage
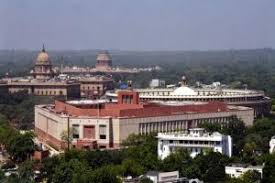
[143,149]
[2,176]
[105,174]
[176,161]
[18,107]
[25,172]
[269,169]
[132,168]
[73,171]
[265,128]
[21,146]
[212,166]
[48,167]
[251,176]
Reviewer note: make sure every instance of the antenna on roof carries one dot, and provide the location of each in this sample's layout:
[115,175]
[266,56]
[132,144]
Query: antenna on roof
[43,48]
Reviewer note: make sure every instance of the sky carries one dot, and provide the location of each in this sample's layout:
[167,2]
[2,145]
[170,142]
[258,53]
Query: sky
[137,24]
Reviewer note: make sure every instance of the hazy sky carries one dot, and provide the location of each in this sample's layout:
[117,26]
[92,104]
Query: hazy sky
[137,24]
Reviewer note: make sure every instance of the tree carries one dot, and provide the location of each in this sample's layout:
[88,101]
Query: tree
[269,169]
[131,168]
[251,176]
[48,167]
[67,137]
[105,174]
[142,149]
[73,171]
[2,176]
[25,172]
[21,147]
[212,166]
[178,160]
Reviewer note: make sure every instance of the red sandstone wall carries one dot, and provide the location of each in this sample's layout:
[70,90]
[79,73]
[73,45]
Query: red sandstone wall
[131,110]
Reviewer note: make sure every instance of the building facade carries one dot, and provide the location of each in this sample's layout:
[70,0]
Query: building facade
[104,61]
[97,123]
[195,141]
[70,89]
[272,145]
[43,81]
[236,170]
[96,86]
[248,98]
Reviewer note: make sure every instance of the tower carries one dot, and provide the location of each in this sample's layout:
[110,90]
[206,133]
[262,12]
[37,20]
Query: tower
[104,61]
[43,66]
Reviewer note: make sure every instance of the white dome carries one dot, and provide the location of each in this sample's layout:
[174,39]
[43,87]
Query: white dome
[184,90]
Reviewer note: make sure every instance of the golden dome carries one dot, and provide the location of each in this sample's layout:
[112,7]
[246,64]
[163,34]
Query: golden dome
[43,56]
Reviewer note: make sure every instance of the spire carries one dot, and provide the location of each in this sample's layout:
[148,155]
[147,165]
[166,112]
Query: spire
[43,48]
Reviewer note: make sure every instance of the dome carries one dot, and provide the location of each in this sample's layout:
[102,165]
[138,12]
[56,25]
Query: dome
[184,90]
[103,56]
[43,56]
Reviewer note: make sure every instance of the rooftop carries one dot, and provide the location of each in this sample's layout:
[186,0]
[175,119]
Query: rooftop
[193,132]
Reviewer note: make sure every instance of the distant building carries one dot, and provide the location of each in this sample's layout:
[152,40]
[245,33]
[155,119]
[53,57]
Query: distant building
[95,86]
[236,170]
[240,97]
[97,123]
[157,83]
[70,89]
[103,61]
[195,141]
[104,64]
[44,81]
[43,66]
[272,145]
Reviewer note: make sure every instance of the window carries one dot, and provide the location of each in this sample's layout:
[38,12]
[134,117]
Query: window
[102,131]
[75,131]
[89,132]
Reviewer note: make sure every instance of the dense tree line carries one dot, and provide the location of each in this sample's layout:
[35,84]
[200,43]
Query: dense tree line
[236,68]
[18,108]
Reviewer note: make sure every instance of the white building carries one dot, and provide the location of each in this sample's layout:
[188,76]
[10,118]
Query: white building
[237,170]
[156,83]
[169,177]
[195,140]
[272,145]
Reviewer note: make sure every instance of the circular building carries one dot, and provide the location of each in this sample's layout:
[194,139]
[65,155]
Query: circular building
[43,66]
[104,61]
[248,98]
